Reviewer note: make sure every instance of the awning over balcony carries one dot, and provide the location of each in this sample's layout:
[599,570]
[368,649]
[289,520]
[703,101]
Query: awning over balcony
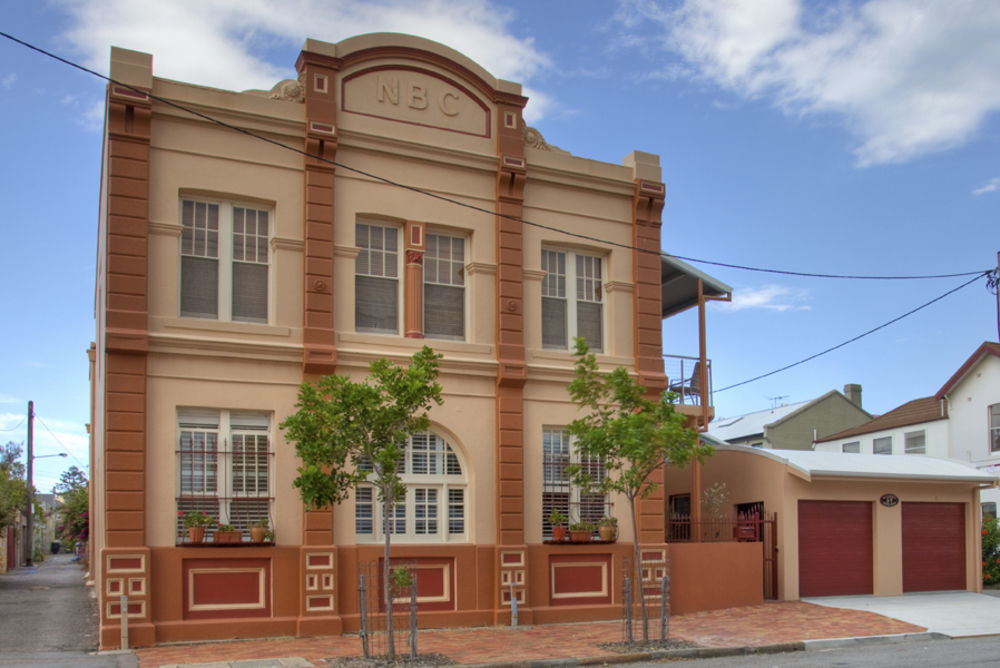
[679,285]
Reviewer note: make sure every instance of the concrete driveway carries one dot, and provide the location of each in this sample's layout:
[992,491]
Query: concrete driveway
[953,613]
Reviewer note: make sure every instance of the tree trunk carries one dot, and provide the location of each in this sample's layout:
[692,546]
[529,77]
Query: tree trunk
[387,504]
[637,570]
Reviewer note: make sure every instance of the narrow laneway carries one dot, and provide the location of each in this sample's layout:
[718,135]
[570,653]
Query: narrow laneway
[48,616]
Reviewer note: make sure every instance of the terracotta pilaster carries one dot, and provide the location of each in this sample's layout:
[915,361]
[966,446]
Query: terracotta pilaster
[317,75]
[647,205]
[413,282]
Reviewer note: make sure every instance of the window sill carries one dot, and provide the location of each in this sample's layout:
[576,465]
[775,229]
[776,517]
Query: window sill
[593,541]
[266,543]
[223,326]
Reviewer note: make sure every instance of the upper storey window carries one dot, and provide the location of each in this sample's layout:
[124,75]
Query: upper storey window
[444,287]
[224,261]
[376,279]
[995,428]
[572,299]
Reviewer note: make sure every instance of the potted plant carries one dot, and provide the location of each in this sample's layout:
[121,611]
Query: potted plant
[259,530]
[580,532]
[195,523]
[227,533]
[556,521]
[607,529]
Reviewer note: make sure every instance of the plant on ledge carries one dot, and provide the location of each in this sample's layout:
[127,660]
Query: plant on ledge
[227,533]
[556,521]
[607,528]
[259,530]
[193,518]
[580,532]
[195,522]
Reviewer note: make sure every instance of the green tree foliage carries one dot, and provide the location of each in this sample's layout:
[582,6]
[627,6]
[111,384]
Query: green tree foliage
[74,515]
[991,551]
[347,433]
[13,486]
[633,434]
[70,479]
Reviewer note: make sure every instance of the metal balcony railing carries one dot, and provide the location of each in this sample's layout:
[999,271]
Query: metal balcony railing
[684,374]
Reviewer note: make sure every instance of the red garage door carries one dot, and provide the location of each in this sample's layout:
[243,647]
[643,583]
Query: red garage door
[835,548]
[933,546]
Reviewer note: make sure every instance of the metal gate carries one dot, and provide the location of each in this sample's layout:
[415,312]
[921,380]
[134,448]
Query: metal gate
[769,527]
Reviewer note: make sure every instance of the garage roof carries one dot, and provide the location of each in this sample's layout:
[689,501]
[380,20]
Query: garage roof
[811,464]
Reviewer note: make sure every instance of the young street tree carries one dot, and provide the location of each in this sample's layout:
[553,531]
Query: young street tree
[633,435]
[13,486]
[347,433]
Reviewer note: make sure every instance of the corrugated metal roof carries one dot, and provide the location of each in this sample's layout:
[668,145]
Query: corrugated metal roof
[838,464]
[679,285]
[727,429]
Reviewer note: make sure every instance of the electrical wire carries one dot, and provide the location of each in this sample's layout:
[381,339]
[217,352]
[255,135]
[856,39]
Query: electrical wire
[467,205]
[859,336]
[17,426]
[61,444]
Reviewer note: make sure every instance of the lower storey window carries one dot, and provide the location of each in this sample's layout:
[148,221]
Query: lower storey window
[558,493]
[434,506]
[224,463]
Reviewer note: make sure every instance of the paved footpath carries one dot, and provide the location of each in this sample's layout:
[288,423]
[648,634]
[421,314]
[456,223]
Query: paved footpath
[767,627]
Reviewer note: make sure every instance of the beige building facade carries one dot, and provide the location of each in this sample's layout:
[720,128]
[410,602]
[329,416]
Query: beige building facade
[252,241]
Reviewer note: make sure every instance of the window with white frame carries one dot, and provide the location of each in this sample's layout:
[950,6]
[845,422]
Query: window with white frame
[224,260]
[995,428]
[224,462]
[435,505]
[914,442]
[558,493]
[853,446]
[376,278]
[882,446]
[444,287]
[572,299]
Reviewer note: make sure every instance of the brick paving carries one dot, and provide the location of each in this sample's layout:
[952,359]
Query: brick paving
[733,627]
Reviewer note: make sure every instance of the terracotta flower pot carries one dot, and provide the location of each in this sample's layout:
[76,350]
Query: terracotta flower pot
[607,533]
[579,536]
[559,533]
[196,534]
[257,534]
[226,537]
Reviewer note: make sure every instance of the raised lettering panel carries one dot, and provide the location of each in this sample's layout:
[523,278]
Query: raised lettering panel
[417,97]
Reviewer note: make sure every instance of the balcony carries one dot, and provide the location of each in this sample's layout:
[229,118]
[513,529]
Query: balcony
[686,378]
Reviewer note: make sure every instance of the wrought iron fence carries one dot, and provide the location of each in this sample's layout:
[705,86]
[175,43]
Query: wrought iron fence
[376,637]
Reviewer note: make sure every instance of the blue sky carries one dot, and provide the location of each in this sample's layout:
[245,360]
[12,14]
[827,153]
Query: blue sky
[847,137]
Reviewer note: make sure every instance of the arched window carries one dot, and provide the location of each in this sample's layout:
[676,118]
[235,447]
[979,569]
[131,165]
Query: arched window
[435,506]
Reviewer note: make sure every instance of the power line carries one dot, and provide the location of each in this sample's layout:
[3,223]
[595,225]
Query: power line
[859,336]
[16,427]
[467,205]
[61,444]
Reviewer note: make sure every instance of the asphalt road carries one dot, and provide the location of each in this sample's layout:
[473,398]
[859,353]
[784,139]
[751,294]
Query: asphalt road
[47,617]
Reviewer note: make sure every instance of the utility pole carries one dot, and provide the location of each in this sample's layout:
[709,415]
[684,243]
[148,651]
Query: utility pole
[29,541]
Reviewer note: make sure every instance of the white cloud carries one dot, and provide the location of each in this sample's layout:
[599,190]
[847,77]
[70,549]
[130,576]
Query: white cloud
[220,42]
[988,187]
[8,81]
[907,77]
[768,297]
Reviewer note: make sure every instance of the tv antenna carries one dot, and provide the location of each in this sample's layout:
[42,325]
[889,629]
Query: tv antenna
[776,400]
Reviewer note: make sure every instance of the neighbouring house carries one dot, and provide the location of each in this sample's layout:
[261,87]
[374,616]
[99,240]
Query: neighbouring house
[794,426]
[841,524]
[961,421]
[232,269]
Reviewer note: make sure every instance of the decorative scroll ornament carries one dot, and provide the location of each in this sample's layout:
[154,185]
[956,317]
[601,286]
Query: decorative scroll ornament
[534,139]
[288,89]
